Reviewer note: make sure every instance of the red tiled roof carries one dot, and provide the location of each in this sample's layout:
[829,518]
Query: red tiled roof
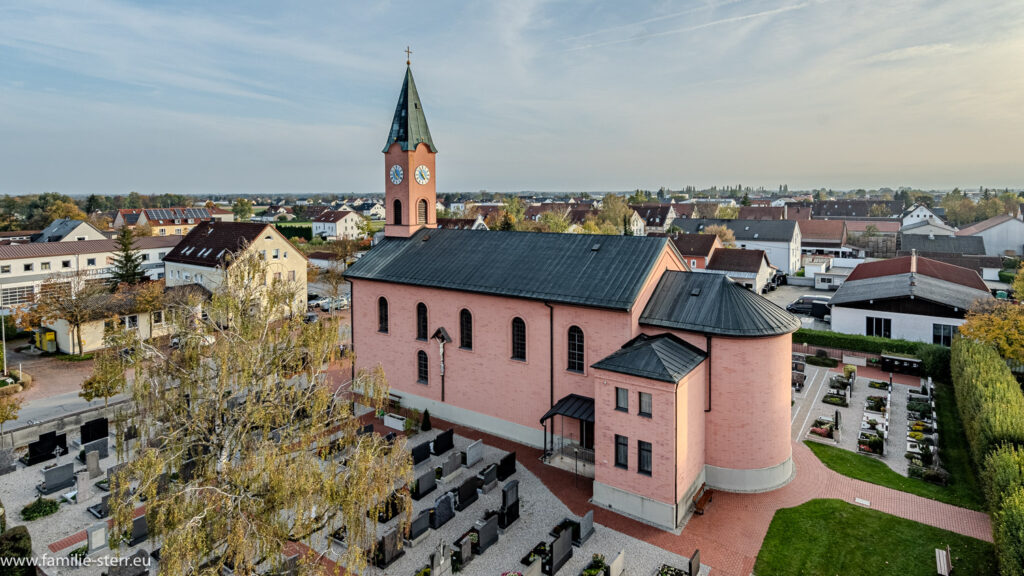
[209,242]
[44,249]
[798,212]
[884,227]
[984,225]
[737,260]
[322,255]
[823,230]
[761,213]
[695,244]
[684,210]
[925,267]
[332,216]
[580,215]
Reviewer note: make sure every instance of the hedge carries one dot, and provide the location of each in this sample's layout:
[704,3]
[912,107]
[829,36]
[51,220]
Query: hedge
[990,400]
[1007,276]
[935,358]
[1008,533]
[17,543]
[1002,473]
[304,232]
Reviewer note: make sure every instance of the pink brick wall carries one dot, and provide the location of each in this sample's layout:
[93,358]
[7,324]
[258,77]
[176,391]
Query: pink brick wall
[691,446]
[409,191]
[749,423]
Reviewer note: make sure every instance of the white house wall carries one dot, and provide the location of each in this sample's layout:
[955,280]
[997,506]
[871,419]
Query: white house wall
[1006,236]
[904,326]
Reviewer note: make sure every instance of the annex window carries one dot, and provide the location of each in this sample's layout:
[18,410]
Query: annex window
[621,451]
[5,269]
[421,321]
[145,257]
[131,321]
[291,275]
[942,334]
[421,367]
[421,212]
[277,253]
[90,262]
[645,404]
[881,327]
[518,339]
[466,329]
[158,317]
[575,349]
[643,465]
[622,399]
[29,267]
[65,263]
[44,265]
[382,315]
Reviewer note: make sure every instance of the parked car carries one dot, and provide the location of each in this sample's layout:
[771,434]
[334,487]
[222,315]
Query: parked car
[311,318]
[314,301]
[329,304]
[811,304]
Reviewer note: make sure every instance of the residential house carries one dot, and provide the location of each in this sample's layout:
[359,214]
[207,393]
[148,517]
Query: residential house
[780,239]
[911,298]
[126,217]
[67,230]
[920,213]
[371,210]
[880,228]
[656,217]
[824,237]
[748,268]
[928,245]
[1003,234]
[206,255]
[762,213]
[799,210]
[858,208]
[172,221]
[221,215]
[25,267]
[696,249]
[333,224]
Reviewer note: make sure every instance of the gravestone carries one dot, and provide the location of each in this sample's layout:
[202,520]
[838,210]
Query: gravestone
[420,453]
[443,511]
[441,560]
[506,466]
[57,478]
[443,442]
[96,537]
[467,494]
[695,562]
[96,446]
[92,464]
[418,528]
[390,438]
[44,448]
[451,467]
[474,453]
[487,533]
[137,565]
[93,430]
[425,484]
[7,461]
[140,531]
[290,567]
[509,511]
[618,566]
[586,528]
[534,569]
[363,430]
[387,549]
[561,551]
[101,510]
[466,550]
[488,478]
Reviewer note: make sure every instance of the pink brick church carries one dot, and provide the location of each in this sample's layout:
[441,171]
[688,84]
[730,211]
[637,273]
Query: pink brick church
[606,346]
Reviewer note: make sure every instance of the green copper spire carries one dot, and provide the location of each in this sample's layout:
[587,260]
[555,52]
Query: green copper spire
[409,126]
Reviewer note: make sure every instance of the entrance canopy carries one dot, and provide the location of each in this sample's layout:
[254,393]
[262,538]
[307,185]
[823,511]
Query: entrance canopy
[572,406]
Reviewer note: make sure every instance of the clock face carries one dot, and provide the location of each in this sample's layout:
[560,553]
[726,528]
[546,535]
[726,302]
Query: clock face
[396,174]
[422,174]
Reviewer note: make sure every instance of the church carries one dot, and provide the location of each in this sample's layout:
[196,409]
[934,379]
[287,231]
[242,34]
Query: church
[605,346]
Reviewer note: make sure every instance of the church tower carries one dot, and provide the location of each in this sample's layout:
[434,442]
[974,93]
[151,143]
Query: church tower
[410,196]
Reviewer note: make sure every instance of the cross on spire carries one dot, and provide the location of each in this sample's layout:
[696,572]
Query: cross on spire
[408,53]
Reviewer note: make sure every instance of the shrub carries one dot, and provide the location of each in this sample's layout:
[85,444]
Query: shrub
[935,476]
[927,458]
[425,423]
[17,543]
[79,553]
[822,361]
[912,470]
[1002,473]
[1008,533]
[835,400]
[849,370]
[40,508]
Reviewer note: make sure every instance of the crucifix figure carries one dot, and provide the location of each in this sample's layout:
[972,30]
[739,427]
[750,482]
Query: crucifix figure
[408,53]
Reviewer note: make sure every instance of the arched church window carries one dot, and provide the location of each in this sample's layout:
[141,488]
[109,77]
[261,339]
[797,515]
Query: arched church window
[421,321]
[398,211]
[518,339]
[466,329]
[421,367]
[382,315]
[575,349]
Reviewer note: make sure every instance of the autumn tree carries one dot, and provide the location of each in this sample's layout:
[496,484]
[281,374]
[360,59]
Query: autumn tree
[555,221]
[242,209]
[76,298]
[107,378]
[613,210]
[64,209]
[142,230]
[260,445]
[724,234]
[127,259]
[1000,324]
[10,405]
[724,212]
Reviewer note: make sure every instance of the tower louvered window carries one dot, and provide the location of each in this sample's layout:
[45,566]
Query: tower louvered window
[421,212]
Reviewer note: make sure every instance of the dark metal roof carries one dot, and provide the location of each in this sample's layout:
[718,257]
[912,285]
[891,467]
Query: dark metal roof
[714,304]
[942,244]
[765,230]
[409,126]
[908,285]
[572,406]
[582,269]
[664,357]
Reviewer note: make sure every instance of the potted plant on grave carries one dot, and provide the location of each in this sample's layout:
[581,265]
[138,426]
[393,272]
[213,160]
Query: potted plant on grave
[597,566]
[667,570]
[425,571]
[540,552]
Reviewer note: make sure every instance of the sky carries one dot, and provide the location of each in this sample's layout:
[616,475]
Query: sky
[108,96]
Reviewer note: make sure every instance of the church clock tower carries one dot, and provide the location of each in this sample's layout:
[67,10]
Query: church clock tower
[410,195]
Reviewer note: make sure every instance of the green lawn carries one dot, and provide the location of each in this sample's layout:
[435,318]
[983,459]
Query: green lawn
[832,537]
[963,489]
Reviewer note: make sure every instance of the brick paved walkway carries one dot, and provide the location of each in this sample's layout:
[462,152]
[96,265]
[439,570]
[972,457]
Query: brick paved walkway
[730,534]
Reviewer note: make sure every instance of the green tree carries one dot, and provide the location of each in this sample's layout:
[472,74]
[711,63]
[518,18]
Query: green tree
[107,378]
[613,211]
[554,221]
[127,260]
[727,212]
[262,432]
[10,405]
[746,200]
[134,200]
[64,209]
[515,213]
[639,197]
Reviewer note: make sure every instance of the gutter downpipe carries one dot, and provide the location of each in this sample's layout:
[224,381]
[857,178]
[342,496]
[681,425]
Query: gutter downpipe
[551,363]
[708,378]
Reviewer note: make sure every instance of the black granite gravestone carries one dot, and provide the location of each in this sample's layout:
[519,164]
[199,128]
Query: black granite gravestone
[101,510]
[420,524]
[467,494]
[93,430]
[487,534]
[140,531]
[420,453]
[488,477]
[442,511]
[387,550]
[443,442]
[363,430]
[509,511]
[506,466]
[561,552]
